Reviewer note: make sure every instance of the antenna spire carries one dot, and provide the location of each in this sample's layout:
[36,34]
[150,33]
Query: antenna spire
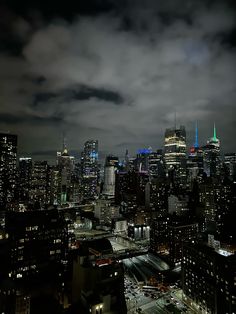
[63,141]
[64,149]
[214,133]
[196,144]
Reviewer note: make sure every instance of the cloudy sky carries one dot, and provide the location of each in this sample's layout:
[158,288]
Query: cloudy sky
[116,71]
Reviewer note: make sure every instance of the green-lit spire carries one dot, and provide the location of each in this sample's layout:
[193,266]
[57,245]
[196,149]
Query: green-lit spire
[214,133]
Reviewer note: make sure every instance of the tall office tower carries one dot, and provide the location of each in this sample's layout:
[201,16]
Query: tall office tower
[132,164]
[225,198]
[126,192]
[195,160]
[97,279]
[24,180]
[142,159]
[127,161]
[211,156]
[111,165]
[66,165]
[76,191]
[40,184]
[156,164]
[130,188]
[195,165]
[175,154]
[55,186]
[209,278]
[90,169]
[124,184]
[128,164]
[230,162]
[156,197]
[142,181]
[207,198]
[8,151]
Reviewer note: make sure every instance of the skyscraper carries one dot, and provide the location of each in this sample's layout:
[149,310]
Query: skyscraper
[230,162]
[156,197]
[25,173]
[208,191]
[8,151]
[142,159]
[195,159]
[66,164]
[175,154]
[211,155]
[90,169]
[156,164]
[40,184]
[110,168]
[55,186]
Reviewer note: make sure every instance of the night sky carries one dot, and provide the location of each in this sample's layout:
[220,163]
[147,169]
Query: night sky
[116,71]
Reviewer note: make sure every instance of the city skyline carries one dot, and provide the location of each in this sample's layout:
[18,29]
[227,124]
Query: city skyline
[51,156]
[116,73]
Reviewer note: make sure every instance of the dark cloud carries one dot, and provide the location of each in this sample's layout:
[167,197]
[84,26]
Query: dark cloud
[8,118]
[117,71]
[79,93]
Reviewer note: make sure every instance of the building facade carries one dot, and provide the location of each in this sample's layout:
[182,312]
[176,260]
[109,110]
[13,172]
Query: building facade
[40,184]
[111,166]
[175,154]
[209,279]
[8,171]
[97,279]
[90,170]
[211,156]
[24,180]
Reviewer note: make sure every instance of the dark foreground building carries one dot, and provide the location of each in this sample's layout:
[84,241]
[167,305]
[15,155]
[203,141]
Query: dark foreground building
[168,234]
[209,279]
[31,272]
[97,280]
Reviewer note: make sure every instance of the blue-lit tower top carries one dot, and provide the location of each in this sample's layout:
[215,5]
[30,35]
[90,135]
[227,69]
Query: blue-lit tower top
[144,151]
[196,144]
